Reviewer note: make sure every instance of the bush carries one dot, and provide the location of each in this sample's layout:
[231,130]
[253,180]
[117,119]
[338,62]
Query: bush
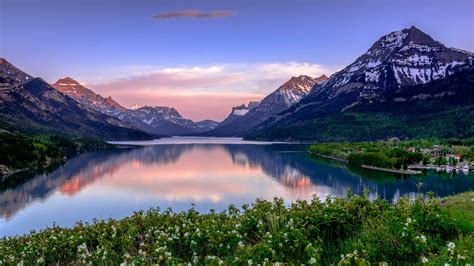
[351,230]
[370,158]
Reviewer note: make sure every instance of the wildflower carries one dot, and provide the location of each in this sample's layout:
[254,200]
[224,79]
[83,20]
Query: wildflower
[40,260]
[249,262]
[451,245]
[424,260]
[409,220]
[423,238]
[312,261]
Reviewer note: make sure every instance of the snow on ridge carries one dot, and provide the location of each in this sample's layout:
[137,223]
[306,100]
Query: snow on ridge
[67,84]
[394,39]
[372,64]
[240,112]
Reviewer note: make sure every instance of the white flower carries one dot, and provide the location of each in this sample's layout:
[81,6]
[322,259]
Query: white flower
[451,245]
[249,262]
[409,220]
[424,260]
[312,261]
[423,238]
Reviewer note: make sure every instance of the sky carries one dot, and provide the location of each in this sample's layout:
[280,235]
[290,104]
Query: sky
[203,57]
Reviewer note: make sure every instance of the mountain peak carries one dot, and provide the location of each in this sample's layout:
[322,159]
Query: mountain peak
[8,69]
[417,36]
[321,78]
[67,81]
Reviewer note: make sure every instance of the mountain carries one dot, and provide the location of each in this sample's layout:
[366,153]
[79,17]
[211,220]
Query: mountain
[87,97]
[396,64]
[154,120]
[237,112]
[7,69]
[32,105]
[163,120]
[205,125]
[97,102]
[243,119]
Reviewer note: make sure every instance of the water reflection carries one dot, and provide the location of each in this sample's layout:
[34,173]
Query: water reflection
[116,183]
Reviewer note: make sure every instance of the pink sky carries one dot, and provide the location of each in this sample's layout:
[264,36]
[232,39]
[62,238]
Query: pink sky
[198,92]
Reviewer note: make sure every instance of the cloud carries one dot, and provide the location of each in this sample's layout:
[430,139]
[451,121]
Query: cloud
[203,91]
[194,14]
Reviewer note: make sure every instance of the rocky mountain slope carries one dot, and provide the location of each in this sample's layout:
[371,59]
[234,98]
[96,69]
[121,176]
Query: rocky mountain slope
[395,64]
[154,120]
[32,105]
[284,97]
[237,112]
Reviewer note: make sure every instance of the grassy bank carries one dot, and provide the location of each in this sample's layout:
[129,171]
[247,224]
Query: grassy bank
[399,155]
[346,231]
[22,155]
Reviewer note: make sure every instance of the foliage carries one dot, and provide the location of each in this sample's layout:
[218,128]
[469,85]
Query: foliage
[366,126]
[345,231]
[20,151]
[386,154]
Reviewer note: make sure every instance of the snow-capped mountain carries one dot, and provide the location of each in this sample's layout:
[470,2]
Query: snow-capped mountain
[205,125]
[243,118]
[155,120]
[165,120]
[237,112]
[97,102]
[87,97]
[401,58]
[293,90]
[396,63]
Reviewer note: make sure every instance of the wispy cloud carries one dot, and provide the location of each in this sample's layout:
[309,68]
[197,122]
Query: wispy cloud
[205,91]
[199,14]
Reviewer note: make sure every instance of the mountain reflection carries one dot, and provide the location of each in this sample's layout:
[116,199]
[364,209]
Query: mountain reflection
[213,173]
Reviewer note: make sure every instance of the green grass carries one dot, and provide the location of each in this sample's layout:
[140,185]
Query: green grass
[460,208]
[348,231]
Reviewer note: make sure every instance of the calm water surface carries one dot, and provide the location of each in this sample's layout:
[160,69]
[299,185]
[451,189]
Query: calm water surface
[209,172]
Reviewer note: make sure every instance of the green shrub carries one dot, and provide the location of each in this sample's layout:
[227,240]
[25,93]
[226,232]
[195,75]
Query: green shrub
[347,231]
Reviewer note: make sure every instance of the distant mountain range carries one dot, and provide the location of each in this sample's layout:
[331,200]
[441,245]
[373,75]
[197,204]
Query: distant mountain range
[31,105]
[155,120]
[242,118]
[405,85]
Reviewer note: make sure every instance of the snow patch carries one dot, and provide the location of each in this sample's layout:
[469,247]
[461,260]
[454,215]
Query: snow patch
[240,112]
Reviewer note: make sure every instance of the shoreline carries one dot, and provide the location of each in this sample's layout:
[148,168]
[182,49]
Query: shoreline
[375,168]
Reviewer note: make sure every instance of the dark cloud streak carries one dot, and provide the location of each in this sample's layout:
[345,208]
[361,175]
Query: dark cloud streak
[198,14]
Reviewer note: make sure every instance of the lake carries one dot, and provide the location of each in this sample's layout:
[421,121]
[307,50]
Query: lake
[210,173]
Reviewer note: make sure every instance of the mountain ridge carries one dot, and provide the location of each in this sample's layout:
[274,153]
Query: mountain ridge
[31,105]
[279,100]
[395,62]
[151,119]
